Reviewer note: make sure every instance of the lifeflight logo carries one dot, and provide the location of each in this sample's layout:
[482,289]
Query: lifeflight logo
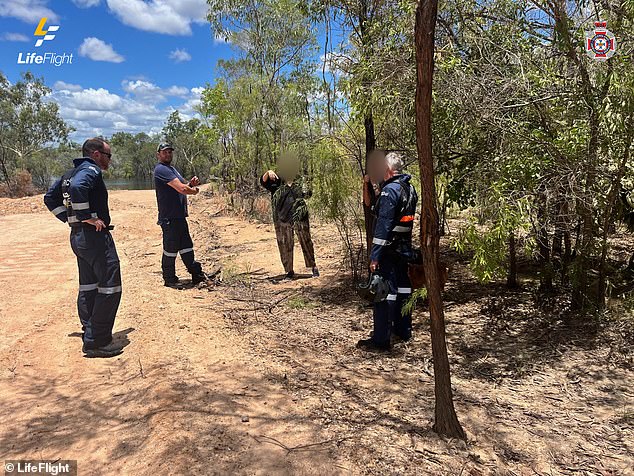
[43,35]
[40,31]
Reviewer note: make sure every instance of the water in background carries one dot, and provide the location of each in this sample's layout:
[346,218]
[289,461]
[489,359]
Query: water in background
[124,184]
[129,184]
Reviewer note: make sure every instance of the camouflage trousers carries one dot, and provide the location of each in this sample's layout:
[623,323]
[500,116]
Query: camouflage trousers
[284,233]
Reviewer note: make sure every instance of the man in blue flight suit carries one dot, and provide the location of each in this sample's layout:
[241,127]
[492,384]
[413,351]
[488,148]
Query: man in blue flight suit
[80,199]
[171,195]
[391,250]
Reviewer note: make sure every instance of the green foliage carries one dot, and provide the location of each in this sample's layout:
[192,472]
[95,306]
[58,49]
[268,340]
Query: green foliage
[134,156]
[489,244]
[410,304]
[28,123]
[192,146]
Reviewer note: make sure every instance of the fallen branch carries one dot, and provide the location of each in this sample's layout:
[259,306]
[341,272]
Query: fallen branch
[141,368]
[308,447]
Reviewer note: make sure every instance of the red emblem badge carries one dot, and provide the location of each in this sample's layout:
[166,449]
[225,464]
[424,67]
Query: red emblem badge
[600,43]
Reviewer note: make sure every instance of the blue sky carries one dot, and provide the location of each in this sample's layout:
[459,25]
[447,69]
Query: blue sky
[134,61]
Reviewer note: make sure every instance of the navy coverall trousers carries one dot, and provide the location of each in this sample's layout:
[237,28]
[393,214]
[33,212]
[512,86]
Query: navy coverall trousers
[99,283]
[387,314]
[177,240]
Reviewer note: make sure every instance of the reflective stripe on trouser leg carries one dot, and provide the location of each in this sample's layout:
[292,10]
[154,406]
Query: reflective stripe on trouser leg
[88,284]
[384,310]
[402,322]
[170,250]
[186,250]
[388,314]
[302,228]
[96,251]
[285,242]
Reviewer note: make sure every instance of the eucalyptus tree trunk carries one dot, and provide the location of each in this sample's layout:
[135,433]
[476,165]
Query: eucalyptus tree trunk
[511,277]
[446,420]
[368,215]
[368,122]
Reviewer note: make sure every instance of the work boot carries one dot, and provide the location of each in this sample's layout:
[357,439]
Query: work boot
[199,278]
[290,275]
[173,283]
[370,344]
[315,272]
[109,350]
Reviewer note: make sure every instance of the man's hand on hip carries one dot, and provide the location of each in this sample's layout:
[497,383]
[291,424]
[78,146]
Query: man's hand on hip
[96,222]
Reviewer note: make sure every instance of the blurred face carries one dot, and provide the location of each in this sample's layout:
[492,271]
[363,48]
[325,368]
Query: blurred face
[165,156]
[377,166]
[102,156]
[288,166]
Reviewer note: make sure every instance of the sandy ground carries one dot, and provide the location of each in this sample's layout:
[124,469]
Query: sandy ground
[255,376]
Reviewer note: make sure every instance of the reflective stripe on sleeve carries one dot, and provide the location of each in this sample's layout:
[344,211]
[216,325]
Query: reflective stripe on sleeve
[81,206]
[59,210]
[404,290]
[391,297]
[402,229]
[112,290]
[171,255]
[186,250]
[88,287]
[378,241]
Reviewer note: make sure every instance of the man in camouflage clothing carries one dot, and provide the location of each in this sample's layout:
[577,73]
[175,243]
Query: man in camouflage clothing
[290,213]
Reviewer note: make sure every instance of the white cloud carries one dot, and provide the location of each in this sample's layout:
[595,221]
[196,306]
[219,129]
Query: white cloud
[29,11]
[171,17]
[143,109]
[143,89]
[98,50]
[188,110]
[14,37]
[86,3]
[180,91]
[179,56]
[146,90]
[93,99]
[63,86]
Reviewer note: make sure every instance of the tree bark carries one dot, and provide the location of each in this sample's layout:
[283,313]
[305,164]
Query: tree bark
[446,420]
[370,145]
[608,217]
[543,246]
[364,19]
[511,278]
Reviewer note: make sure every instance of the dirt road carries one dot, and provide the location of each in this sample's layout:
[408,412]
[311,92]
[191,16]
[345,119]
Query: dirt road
[173,402]
[251,376]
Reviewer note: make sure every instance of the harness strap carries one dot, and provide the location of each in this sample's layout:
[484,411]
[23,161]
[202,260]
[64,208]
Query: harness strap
[406,221]
[66,181]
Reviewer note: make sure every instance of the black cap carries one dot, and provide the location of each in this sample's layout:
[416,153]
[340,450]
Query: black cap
[164,146]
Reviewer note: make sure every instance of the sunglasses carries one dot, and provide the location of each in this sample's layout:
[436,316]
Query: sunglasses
[105,153]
